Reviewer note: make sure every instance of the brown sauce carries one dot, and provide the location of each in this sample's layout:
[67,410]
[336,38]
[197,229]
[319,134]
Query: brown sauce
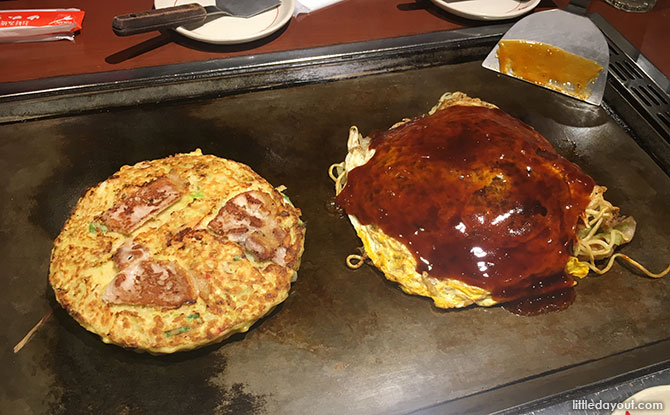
[476,195]
[542,304]
[548,66]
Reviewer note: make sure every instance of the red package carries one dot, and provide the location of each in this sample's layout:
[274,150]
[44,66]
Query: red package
[39,25]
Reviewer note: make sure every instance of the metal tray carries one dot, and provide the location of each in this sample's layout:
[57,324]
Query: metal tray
[344,341]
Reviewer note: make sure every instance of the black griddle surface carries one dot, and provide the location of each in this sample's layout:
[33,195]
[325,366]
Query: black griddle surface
[344,341]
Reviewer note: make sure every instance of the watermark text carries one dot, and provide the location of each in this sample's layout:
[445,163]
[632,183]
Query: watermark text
[611,406]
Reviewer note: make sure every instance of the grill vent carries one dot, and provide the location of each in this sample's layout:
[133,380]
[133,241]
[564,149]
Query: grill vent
[640,95]
[661,97]
[665,118]
[633,69]
[620,74]
[624,72]
[647,97]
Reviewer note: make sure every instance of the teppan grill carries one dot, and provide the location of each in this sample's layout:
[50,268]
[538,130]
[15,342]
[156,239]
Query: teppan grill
[344,341]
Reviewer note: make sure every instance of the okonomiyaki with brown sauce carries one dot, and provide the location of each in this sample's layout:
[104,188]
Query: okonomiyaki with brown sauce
[469,205]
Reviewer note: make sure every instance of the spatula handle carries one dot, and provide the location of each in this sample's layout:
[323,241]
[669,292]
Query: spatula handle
[148,21]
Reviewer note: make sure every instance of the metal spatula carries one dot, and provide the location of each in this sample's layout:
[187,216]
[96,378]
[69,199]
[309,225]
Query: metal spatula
[171,17]
[568,31]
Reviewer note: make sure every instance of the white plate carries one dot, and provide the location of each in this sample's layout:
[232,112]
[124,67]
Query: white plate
[487,9]
[227,30]
[646,396]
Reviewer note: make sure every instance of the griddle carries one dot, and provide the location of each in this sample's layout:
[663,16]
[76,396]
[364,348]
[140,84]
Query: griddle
[344,341]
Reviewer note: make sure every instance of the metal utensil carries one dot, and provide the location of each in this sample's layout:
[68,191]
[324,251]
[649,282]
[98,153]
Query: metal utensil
[565,30]
[171,17]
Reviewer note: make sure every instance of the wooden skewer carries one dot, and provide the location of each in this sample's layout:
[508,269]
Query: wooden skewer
[32,331]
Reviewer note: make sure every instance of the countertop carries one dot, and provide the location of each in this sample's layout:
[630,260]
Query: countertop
[97,49]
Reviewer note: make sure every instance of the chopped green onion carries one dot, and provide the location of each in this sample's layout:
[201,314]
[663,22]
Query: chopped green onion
[178,330]
[286,198]
[236,258]
[197,195]
[193,316]
[93,227]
